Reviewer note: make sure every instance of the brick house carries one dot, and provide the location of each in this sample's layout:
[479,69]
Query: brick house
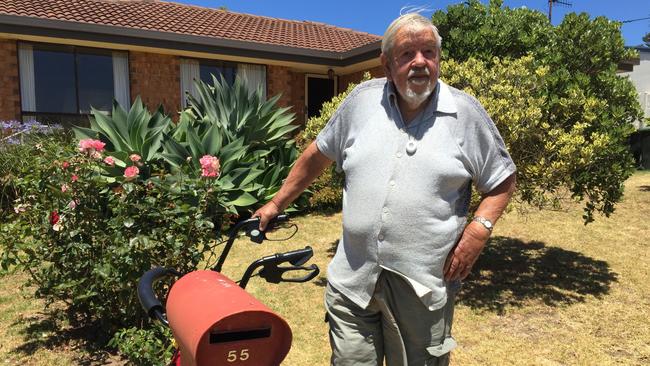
[58,57]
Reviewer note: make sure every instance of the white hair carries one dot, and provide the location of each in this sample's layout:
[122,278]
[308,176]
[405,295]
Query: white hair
[412,20]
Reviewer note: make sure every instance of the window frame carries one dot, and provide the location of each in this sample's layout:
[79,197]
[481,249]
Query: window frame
[74,49]
[218,63]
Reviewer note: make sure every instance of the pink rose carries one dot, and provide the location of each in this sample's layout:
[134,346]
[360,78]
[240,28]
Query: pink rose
[209,166]
[98,145]
[134,158]
[109,160]
[85,145]
[131,172]
[74,178]
[64,187]
[65,165]
[91,146]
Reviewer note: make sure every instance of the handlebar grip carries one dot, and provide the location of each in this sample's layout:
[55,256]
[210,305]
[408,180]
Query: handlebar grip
[279,218]
[258,236]
[252,229]
[146,295]
[297,257]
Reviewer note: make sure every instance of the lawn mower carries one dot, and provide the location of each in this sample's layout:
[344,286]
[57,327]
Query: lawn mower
[214,320]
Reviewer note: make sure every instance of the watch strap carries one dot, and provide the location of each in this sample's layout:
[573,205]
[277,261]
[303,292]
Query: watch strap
[485,222]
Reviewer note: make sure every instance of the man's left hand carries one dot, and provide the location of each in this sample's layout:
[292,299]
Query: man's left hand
[461,259]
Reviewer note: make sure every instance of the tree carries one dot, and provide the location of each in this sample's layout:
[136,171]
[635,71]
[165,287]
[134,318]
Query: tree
[475,30]
[587,110]
[646,39]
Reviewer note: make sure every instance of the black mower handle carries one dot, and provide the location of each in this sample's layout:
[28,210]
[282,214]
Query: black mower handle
[148,299]
[272,272]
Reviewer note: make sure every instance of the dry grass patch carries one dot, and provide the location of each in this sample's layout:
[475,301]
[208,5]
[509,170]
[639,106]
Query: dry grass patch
[546,291]
[28,336]
[552,291]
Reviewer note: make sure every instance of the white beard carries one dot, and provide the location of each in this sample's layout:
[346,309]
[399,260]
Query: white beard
[412,98]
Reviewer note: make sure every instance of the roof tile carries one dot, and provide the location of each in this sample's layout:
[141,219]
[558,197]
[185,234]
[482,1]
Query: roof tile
[172,17]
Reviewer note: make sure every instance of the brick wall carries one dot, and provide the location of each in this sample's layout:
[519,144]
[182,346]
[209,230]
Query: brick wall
[292,86]
[345,80]
[298,96]
[9,81]
[156,79]
[279,80]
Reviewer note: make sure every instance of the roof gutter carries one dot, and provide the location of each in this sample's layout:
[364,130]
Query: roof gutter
[168,40]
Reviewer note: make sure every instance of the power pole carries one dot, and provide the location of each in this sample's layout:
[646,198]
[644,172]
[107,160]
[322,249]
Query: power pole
[550,6]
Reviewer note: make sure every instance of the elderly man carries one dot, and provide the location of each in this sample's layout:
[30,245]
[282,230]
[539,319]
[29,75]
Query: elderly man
[410,147]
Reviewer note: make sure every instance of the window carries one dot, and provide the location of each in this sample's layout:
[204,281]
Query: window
[60,80]
[192,69]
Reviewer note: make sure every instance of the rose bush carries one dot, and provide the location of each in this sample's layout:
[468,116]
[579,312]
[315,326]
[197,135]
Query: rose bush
[24,149]
[98,238]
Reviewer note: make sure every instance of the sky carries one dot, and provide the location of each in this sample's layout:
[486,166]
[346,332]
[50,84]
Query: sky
[373,16]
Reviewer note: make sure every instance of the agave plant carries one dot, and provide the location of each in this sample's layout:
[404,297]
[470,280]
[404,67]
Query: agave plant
[134,132]
[251,137]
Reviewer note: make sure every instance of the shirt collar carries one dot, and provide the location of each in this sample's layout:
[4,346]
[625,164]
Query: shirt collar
[442,101]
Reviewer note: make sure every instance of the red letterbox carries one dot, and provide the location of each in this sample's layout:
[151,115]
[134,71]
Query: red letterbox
[215,322]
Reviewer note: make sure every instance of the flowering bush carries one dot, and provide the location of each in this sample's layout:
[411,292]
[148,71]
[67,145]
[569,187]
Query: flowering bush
[24,149]
[98,238]
[14,132]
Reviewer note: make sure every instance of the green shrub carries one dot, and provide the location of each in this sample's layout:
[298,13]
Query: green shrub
[145,347]
[326,191]
[576,143]
[24,149]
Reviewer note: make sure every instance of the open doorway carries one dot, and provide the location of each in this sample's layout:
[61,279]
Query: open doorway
[318,89]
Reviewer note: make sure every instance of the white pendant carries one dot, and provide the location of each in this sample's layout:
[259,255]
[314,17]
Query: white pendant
[411,147]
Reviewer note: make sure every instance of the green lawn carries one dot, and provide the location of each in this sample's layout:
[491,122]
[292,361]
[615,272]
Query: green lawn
[546,291]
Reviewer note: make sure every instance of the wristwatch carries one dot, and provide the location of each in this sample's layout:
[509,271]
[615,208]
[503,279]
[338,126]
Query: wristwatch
[485,222]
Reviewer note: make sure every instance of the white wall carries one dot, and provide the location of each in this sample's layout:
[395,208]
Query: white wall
[641,79]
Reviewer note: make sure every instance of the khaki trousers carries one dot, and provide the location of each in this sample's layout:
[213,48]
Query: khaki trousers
[396,327]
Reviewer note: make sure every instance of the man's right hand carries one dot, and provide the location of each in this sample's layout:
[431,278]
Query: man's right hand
[266,213]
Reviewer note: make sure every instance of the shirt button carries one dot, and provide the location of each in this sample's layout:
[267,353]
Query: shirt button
[380,237]
[385,210]
[399,154]
[392,183]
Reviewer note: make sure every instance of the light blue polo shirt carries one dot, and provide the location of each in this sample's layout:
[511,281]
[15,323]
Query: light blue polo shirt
[404,211]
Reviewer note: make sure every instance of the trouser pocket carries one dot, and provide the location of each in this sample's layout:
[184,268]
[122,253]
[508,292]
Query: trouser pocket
[440,353]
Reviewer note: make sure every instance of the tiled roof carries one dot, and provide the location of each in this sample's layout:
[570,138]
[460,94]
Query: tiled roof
[162,16]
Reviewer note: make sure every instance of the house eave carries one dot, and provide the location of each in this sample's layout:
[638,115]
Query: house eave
[32,26]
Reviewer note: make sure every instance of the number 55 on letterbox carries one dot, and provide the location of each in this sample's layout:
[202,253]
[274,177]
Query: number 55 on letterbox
[215,322]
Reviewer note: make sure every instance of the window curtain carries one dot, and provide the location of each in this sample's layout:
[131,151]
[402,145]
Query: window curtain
[121,79]
[190,71]
[255,76]
[27,82]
